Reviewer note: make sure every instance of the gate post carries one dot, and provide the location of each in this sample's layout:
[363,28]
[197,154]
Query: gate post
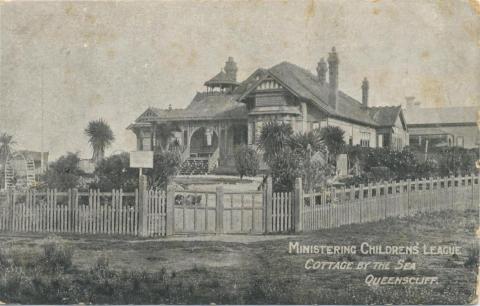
[268,205]
[219,210]
[170,211]
[298,206]
[142,206]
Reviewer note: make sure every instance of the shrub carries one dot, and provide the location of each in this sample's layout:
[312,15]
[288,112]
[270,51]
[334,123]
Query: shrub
[472,258]
[165,166]
[246,161]
[55,258]
[114,172]
[64,173]
[285,168]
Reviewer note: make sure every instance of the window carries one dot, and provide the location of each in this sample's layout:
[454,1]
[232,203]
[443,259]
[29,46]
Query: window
[364,139]
[146,144]
[460,141]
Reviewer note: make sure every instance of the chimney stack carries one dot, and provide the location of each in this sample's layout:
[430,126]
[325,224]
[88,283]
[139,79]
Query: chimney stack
[322,71]
[333,77]
[231,69]
[365,87]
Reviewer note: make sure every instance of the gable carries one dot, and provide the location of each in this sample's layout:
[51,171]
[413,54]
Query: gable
[268,84]
[147,115]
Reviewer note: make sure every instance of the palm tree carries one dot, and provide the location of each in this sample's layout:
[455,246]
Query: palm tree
[273,138]
[6,144]
[100,137]
[333,137]
[312,140]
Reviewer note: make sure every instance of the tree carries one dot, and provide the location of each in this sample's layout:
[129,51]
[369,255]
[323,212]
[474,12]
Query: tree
[273,138]
[246,161]
[64,173]
[114,172]
[302,141]
[311,151]
[285,167]
[6,144]
[100,137]
[333,138]
[165,166]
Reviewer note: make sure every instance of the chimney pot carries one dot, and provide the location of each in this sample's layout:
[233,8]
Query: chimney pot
[231,69]
[333,62]
[365,87]
[322,71]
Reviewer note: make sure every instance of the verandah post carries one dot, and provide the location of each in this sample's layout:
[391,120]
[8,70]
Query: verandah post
[298,206]
[170,211]
[219,210]
[142,207]
[268,205]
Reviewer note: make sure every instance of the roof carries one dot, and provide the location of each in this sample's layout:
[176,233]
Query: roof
[306,85]
[221,79]
[299,81]
[204,106]
[385,115]
[443,115]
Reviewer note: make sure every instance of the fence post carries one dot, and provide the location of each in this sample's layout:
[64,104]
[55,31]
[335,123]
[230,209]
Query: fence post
[170,211]
[142,206]
[219,210]
[360,198]
[298,206]
[268,205]
[11,205]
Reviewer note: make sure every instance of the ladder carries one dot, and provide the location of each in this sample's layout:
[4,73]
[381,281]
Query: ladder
[9,176]
[30,173]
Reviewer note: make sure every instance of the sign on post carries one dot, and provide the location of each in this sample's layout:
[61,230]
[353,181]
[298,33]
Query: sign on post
[141,159]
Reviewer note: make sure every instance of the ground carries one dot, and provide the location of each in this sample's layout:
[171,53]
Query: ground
[249,269]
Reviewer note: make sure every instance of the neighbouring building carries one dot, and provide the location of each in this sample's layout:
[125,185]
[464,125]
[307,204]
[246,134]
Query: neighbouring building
[231,113]
[442,126]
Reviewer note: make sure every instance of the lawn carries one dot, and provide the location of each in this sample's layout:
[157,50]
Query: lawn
[241,270]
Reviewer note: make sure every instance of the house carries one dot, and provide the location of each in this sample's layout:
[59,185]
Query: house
[443,126]
[231,113]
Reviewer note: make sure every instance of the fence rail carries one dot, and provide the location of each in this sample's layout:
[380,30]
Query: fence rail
[159,213]
[336,207]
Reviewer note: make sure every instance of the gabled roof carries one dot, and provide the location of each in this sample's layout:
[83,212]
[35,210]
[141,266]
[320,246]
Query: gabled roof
[385,115]
[305,85]
[443,115]
[204,106]
[221,79]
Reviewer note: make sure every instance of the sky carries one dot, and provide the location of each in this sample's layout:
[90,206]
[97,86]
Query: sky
[114,59]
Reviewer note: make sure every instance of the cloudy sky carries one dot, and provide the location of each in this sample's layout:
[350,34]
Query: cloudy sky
[112,60]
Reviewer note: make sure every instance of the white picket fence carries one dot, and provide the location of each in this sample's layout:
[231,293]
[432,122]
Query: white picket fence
[336,207]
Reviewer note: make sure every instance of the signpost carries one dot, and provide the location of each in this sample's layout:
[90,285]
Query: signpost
[140,160]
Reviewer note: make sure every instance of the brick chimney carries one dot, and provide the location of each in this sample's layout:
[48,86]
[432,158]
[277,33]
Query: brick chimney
[365,92]
[333,62]
[231,69]
[322,71]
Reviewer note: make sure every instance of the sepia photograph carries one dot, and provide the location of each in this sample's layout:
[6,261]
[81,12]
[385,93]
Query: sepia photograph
[245,152]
